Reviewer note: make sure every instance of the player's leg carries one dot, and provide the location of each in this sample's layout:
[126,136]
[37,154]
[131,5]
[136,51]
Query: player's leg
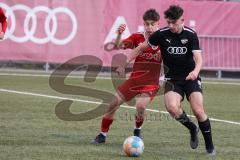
[196,101]
[141,103]
[109,115]
[123,94]
[172,98]
[172,102]
[194,95]
[173,106]
[107,119]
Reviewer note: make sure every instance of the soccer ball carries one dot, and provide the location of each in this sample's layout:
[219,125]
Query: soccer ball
[133,146]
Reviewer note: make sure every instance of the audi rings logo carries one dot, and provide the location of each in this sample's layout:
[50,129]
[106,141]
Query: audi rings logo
[177,50]
[29,29]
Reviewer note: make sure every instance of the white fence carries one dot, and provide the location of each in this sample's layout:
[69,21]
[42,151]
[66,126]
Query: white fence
[221,52]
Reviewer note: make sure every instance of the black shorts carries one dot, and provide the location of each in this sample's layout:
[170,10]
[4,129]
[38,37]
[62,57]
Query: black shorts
[184,87]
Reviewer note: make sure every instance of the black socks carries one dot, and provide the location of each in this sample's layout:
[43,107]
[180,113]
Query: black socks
[205,127]
[184,120]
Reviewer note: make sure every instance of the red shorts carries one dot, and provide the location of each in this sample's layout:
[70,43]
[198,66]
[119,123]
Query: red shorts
[132,87]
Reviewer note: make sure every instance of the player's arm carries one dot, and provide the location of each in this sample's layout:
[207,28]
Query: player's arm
[198,65]
[198,61]
[136,51]
[197,55]
[126,43]
[131,56]
[120,30]
[152,41]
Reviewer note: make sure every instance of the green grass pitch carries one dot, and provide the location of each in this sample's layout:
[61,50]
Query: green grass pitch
[30,129]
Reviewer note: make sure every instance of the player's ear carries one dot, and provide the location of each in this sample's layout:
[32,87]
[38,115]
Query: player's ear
[182,19]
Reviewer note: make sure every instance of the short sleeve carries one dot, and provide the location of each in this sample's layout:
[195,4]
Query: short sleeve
[130,41]
[195,43]
[154,39]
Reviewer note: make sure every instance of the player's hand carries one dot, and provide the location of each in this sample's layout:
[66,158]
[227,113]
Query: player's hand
[120,70]
[2,35]
[121,28]
[192,76]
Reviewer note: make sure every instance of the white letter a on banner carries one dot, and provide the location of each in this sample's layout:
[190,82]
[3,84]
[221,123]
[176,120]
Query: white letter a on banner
[113,32]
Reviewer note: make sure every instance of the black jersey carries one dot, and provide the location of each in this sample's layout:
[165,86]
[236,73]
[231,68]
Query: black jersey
[176,50]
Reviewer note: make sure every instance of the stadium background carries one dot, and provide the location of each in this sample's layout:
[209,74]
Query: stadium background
[84,27]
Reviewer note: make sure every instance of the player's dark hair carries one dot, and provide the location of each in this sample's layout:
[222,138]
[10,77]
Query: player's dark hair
[151,14]
[174,12]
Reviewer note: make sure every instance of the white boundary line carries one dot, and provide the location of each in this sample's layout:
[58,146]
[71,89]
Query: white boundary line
[99,77]
[93,102]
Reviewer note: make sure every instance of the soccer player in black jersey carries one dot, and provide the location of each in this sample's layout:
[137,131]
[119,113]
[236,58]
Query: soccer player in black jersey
[179,46]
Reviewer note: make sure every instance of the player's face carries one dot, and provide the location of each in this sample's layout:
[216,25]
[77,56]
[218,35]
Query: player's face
[175,25]
[151,26]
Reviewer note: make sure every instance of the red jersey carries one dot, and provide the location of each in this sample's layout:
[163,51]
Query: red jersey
[150,60]
[3,20]
[146,70]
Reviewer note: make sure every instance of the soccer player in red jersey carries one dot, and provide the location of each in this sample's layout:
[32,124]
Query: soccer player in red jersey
[3,22]
[143,81]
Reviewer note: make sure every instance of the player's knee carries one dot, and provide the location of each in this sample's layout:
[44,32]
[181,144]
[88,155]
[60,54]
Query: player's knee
[116,101]
[173,109]
[140,110]
[113,106]
[172,106]
[199,113]
[140,106]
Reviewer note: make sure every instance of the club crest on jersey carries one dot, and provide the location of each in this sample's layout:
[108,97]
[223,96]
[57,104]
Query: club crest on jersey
[184,41]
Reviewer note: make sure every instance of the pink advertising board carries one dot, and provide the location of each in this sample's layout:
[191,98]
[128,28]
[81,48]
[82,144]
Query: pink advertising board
[56,31]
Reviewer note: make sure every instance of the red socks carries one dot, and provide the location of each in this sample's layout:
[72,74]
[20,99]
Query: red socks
[106,122]
[139,121]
